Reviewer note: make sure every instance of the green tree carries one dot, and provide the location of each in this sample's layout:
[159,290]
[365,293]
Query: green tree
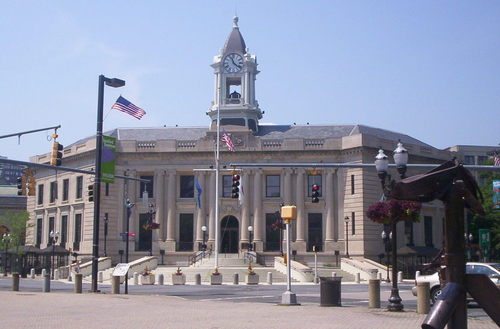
[15,221]
[491,220]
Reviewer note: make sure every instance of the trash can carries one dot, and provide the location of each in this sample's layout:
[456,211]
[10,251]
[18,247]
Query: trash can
[329,291]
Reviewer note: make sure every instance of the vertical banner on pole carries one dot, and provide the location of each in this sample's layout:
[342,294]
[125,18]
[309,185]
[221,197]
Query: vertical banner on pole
[496,194]
[108,159]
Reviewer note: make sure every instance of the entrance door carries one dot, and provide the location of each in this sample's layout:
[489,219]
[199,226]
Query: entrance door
[229,235]
[315,228]
[145,235]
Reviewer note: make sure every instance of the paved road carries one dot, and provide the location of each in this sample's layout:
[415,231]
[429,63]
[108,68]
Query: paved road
[217,299]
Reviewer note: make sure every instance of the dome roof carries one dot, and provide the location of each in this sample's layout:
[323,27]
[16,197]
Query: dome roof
[235,42]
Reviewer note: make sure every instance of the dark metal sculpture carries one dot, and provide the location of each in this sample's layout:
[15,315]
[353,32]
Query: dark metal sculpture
[456,187]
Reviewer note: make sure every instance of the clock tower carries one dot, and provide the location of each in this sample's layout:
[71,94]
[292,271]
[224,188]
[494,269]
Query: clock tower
[235,72]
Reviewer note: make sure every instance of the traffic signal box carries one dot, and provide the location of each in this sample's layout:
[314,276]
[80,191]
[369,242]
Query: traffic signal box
[90,192]
[31,183]
[56,156]
[21,185]
[315,193]
[236,189]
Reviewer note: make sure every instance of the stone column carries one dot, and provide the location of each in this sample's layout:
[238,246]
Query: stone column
[329,193]
[171,212]
[213,198]
[300,242]
[245,206]
[287,187]
[159,179]
[200,210]
[258,220]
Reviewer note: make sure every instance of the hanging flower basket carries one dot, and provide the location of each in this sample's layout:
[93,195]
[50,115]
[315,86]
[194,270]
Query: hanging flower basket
[386,212]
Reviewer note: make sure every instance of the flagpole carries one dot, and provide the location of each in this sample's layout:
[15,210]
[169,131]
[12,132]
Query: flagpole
[217,183]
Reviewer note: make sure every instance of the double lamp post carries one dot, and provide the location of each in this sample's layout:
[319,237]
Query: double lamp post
[382,165]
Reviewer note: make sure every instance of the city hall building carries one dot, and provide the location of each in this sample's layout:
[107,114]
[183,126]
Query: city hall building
[179,163]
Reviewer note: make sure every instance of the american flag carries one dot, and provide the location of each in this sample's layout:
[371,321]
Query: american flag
[227,139]
[496,160]
[125,106]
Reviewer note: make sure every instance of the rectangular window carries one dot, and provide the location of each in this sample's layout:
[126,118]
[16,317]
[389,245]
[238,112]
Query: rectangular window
[185,232]
[79,187]
[469,160]
[65,189]
[315,232]
[352,184]
[53,192]
[64,230]
[428,231]
[51,228]
[40,194]
[227,186]
[353,223]
[482,160]
[409,233]
[39,230]
[187,186]
[312,180]
[148,187]
[78,232]
[273,186]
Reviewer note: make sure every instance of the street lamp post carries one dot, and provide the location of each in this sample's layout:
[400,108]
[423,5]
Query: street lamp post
[54,236]
[129,207]
[468,240]
[386,238]
[250,238]
[204,244]
[382,165]
[6,238]
[346,221]
[105,234]
[115,83]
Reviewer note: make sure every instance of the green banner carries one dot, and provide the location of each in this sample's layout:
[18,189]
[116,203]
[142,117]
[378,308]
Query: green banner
[108,159]
[484,240]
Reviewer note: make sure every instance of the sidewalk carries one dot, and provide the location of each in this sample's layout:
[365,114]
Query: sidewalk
[95,311]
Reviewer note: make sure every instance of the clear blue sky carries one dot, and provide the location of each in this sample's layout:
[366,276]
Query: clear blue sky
[430,69]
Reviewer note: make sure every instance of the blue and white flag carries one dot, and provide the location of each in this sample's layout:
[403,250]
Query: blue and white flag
[198,192]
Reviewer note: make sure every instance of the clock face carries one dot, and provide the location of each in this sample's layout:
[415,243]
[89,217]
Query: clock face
[233,63]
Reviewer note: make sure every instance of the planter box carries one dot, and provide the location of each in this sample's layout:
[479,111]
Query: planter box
[216,279]
[147,279]
[178,279]
[252,279]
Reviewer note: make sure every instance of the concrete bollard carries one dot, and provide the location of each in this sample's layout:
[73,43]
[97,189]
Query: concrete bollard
[46,282]
[15,281]
[99,277]
[373,293]
[400,277]
[423,297]
[115,285]
[32,273]
[358,277]
[161,279]
[269,278]
[56,274]
[136,278]
[44,273]
[197,279]
[78,283]
[334,274]
[236,278]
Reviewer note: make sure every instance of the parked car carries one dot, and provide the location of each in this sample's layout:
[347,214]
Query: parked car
[492,270]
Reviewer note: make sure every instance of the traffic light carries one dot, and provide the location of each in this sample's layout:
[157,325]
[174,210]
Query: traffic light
[236,189]
[56,156]
[31,185]
[90,192]
[21,185]
[315,193]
